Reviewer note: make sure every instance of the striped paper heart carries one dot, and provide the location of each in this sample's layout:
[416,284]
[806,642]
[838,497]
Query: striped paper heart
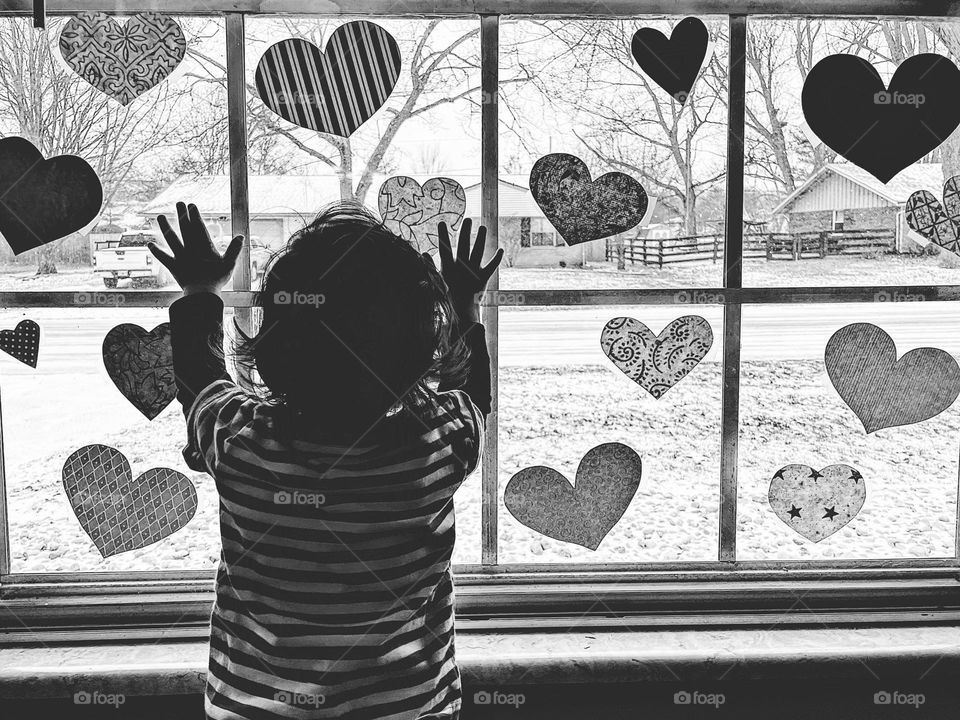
[335,91]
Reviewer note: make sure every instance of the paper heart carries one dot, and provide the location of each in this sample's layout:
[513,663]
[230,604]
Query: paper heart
[817,503]
[672,63]
[582,209]
[333,91]
[861,360]
[413,211]
[122,61]
[44,200]
[140,363]
[23,342]
[543,499]
[656,362]
[121,513]
[938,223]
[882,129]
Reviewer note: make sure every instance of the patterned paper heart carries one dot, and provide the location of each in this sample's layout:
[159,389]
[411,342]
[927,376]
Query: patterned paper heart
[672,63]
[656,362]
[333,91]
[817,503]
[121,513]
[938,223]
[23,342]
[140,363]
[122,61]
[861,360]
[582,209]
[544,500]
[413,211]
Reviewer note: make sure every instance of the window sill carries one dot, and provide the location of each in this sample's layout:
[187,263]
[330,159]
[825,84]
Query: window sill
[529,658]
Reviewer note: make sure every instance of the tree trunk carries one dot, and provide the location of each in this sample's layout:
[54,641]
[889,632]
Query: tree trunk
[46,265]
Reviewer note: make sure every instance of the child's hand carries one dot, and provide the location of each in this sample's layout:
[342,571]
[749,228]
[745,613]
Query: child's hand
[464,275]
[195,264]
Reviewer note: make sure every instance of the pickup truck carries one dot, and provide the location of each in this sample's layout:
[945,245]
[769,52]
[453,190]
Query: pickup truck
[129,258]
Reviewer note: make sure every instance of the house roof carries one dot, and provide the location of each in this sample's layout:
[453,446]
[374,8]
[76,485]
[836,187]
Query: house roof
[923,176]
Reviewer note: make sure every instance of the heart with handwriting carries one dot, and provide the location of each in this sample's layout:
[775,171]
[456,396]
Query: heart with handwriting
[816,503]
[140,363]
[413,211]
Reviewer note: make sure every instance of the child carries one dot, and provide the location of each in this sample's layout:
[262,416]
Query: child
[336,469]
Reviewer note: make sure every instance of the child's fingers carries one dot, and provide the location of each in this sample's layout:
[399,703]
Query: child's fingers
[446,252]
[166,260]
[199,227]
[173,242]
[183,216]
[491,266]
[463,242]
[479,246]
[233,251]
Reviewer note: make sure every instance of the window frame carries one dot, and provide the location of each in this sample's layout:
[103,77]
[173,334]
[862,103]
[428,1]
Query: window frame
[61,606]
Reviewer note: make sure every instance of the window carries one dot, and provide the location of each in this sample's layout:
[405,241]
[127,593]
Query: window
[725,212]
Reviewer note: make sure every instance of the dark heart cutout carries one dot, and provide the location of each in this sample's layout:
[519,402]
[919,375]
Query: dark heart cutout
[940,224]
[140,363]
[44,200]
[656,362]
[861,360]
[672,63]
[582,209]
[413,211]
[122,61]
[23,342]
[882,129]
[543,499]
[817,503]
[121,513]
[333,91]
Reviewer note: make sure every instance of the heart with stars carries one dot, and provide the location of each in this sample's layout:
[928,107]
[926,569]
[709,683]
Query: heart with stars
[817,503]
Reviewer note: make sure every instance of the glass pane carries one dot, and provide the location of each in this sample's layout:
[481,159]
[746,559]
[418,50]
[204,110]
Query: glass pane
[560,396]
[790,413]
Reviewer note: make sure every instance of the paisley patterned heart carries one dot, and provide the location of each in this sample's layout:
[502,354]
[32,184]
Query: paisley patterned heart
[817,503]
[335,91]
[656,362]
[140,363]
[544,500]
[938,223]
[121,513]
[413,211]
[23,342]
[122,61]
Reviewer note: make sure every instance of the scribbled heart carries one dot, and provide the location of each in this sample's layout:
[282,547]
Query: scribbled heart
[938,223]
[121,513]
[140,363]
[335,91]
[672,63]
[861,360]
[817,503]
[544,500]
[883,129]
[413,211]
[656,362]
[23,342]
[582,209]
[44,200]
[122,61]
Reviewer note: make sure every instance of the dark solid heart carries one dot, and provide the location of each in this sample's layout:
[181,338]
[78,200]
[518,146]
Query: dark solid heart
[140,363]
[817,503]
[672,64]
[23,342]
[122,61]
[121,513]
[44,200]
[882,129]
[413,212]
[861,360]
[940,224]
[335,91]
[656,362]
[543,499]
[582,209]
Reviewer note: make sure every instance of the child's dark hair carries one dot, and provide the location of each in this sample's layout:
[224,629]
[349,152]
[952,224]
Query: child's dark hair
[355,322]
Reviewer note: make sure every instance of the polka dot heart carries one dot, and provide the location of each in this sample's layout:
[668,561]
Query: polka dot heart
[23,342]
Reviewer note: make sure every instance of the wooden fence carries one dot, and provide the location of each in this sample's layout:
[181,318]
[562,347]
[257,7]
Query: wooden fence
[772,246]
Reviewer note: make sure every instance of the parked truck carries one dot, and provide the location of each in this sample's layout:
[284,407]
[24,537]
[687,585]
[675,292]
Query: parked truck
[130,258]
